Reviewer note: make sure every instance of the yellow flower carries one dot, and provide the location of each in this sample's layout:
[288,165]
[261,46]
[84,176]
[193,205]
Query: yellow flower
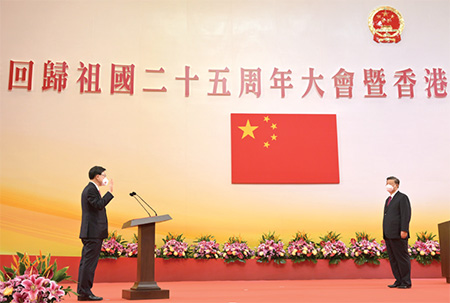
[8,291]
[356,254]
[184,254]
[175,253]
[195,255]
[261,253]
[366,251]
[294,251]
[314,252]
[281,254]
[422,253]
[433,253]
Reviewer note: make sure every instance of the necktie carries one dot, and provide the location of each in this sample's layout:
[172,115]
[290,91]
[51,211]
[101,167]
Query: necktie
[389,200]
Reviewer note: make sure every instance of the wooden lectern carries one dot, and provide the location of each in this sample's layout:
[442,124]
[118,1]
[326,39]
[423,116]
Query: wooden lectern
[444,241]
[145,287]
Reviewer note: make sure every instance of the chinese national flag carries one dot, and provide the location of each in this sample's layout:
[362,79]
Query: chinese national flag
[284,148]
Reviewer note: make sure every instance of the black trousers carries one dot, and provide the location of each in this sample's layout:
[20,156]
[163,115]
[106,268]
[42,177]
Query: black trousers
[400,261]
[88,264]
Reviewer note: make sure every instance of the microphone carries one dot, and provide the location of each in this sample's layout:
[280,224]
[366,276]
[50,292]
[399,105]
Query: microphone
[133,194]
[145,203]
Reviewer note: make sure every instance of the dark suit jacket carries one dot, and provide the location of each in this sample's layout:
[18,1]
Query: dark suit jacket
[94,222]
[396,216]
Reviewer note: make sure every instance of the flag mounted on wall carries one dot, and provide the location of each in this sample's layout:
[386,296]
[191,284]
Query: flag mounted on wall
[284,149]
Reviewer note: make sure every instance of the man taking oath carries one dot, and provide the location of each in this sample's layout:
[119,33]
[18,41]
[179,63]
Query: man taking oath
[94,228]
[397,214]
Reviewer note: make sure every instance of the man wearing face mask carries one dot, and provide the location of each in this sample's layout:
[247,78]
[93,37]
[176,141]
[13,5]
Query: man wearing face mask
[94,228]
[397,214]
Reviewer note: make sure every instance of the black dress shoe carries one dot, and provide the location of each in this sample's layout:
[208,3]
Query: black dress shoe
[404,286]
[89,298]
[393,285]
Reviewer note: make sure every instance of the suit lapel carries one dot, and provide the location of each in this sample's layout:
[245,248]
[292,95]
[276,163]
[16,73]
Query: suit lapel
[385,204]
[95,188]
[395,198]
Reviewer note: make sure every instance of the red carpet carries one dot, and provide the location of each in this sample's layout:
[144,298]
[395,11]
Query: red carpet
[314,291]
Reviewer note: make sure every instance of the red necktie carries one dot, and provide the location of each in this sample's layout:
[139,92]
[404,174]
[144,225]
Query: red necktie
[389,200]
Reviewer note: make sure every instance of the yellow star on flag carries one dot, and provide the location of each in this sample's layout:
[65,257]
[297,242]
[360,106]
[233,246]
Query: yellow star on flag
[274,125]
[248,130]
[266,119]
[266,144]
[274,137]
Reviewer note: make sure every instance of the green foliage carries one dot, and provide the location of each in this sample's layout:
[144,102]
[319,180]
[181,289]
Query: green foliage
[269,236]
[331,236]
[235,239]
[363,236]
[301,236]
[175,237]
[117,237]
[206,238]
[424,236]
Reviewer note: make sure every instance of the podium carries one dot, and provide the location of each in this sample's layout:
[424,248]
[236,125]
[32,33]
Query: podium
[444,241]
[145,287]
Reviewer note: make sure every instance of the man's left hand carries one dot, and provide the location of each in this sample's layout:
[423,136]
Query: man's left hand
[403,234]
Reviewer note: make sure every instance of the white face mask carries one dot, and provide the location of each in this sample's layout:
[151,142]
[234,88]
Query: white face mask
[389,188]
[105,181]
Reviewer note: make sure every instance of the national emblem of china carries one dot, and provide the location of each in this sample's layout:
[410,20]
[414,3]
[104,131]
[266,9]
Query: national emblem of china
[386,25]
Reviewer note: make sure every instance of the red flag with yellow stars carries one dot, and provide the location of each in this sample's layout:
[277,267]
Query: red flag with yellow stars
[284,148]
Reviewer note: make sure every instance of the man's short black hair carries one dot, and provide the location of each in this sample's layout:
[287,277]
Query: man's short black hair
[96,170]
[396,180]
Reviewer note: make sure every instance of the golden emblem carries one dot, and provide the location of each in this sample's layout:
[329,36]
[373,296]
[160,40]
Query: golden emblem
[386,25]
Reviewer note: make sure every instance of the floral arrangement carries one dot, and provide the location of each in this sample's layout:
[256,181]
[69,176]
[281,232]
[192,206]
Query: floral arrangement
[333,249]
[271,248]
[384,254]
[365,249]
[425,249]
[236,250]
[113,246]
[36,281]
[30,288]
[206,248]
[131,249]
[301,249]
[174,247]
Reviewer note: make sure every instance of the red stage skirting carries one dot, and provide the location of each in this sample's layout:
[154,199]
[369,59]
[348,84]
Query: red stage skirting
[283,291]
[124,270]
